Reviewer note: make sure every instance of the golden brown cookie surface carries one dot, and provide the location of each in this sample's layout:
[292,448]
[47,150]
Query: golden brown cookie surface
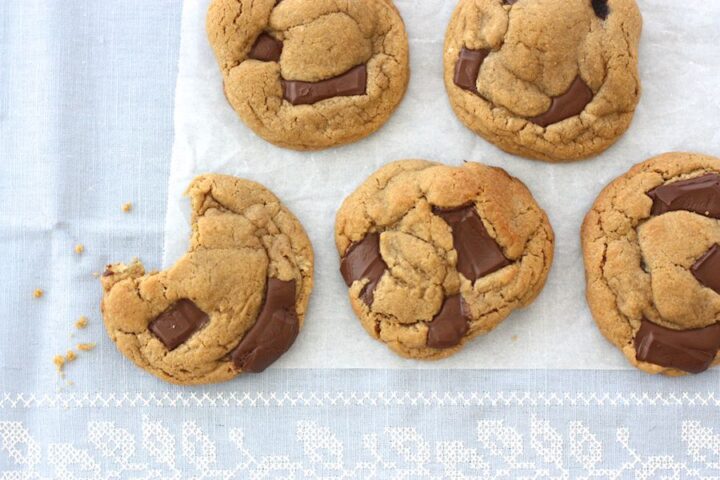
[310,74]
[435,255]
[652,263]
[233,303]
[555,80]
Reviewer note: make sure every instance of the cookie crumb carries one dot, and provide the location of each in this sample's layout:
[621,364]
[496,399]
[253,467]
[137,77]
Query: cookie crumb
[79,248]
[38,293]
[59,362]
[514,338]
[126,207]
[81,323]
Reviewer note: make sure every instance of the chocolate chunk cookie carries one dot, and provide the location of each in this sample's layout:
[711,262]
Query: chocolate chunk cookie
[234,303]
[310,74]
[554,80]
[652,260]
[435,255]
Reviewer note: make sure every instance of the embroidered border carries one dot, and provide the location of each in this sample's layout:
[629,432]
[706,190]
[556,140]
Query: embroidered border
[488,449]
[345,398]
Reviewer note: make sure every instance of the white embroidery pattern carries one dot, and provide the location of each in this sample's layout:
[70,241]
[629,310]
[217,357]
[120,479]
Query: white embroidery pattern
[383,399]
[498,450]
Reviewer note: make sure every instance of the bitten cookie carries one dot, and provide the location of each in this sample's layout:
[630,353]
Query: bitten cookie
[652,260]
[310,74]
[435,255]
[554,80]
[234,303]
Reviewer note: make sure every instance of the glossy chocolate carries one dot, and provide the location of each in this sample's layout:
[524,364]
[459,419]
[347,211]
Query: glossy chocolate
[707,268]
[353,82]
[478,253]
[363,260]
[266,49]
[691,351]
[699,195]
[567,105]
[178,323]
[274,331]
[450,325]
[467,68]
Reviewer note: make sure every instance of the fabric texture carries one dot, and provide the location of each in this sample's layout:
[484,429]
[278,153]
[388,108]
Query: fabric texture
[86,124]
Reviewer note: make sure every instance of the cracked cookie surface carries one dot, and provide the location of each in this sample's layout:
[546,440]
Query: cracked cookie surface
[652,265]
[435,255]
[310,74]
[233,303]
[554,80]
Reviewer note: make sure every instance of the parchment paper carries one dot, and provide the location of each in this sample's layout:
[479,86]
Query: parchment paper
[679,110]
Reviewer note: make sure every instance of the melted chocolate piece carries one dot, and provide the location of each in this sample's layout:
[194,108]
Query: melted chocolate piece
[353,82]
[450,325]
[699,195]
[363,260]
[178,323]
[601,7]
[274,331]
[509,2]
[266,49]
[467,68]
[567,105]
[691,351]
[707,268]
[478,253]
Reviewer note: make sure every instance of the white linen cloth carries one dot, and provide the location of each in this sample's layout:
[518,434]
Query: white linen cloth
[86,124]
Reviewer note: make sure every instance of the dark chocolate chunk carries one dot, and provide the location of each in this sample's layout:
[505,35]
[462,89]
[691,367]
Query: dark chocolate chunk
[363,260]
[467,68]
[509,2]
[691,351]
[707,268]
[266,49]
[601,7]
[478,253]
[353,82]
[567,105]
[274,331]
[450,325]
[178,323]
[699,195]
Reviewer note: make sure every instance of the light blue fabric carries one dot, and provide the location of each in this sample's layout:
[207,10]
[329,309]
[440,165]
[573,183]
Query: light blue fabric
[86,103]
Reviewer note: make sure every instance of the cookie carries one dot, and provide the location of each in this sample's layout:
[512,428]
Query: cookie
[310,74]
[652,262]
[233,303]
[554,80]
[435,255]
